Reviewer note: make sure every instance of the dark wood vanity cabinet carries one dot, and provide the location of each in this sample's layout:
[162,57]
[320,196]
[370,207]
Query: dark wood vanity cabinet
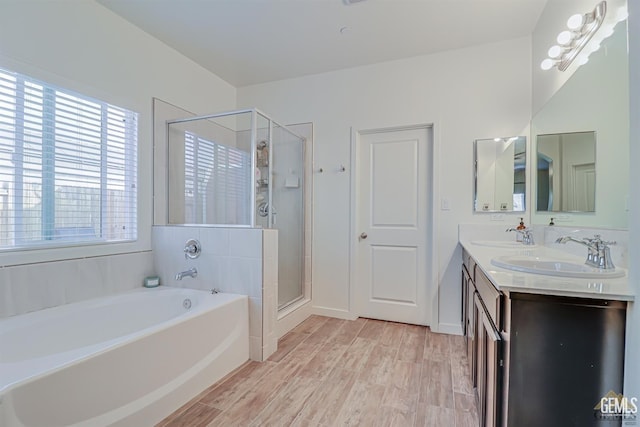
[481,308]
[540,360]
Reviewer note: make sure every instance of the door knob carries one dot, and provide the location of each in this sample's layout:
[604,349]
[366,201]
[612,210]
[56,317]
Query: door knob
[363,236]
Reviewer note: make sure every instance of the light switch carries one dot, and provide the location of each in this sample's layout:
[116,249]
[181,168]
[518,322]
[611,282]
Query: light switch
[444,204]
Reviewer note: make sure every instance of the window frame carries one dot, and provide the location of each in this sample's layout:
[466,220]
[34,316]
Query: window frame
[49,143]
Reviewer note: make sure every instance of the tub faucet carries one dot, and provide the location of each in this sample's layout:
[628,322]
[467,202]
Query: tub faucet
[192,272]
[598,253]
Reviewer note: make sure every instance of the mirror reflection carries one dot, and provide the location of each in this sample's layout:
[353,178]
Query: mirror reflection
[566,172]
[500,174]
[592,103]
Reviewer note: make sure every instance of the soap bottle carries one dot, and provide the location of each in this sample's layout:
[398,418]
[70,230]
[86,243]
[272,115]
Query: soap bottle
[520,227]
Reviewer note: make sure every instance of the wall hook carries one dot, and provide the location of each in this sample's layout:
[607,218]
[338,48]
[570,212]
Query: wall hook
[342,169]
[320,170]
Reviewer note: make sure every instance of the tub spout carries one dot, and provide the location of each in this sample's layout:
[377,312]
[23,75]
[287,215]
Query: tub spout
[192,272]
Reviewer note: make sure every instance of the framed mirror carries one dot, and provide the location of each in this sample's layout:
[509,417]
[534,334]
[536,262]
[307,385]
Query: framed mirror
[566,172]
[500,174]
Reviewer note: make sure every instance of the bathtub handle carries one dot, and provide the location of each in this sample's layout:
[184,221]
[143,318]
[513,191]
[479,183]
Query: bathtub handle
[192,249]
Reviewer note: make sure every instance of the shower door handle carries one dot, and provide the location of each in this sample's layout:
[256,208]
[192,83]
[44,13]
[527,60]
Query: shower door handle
[363,236]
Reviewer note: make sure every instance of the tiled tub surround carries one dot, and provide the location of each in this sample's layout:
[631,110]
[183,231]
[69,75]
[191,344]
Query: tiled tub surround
[236,260]
[123,360]
[545,237]
[36,286]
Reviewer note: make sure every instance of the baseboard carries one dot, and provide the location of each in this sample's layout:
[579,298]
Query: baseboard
[291,318]
[332,312]
[449,328]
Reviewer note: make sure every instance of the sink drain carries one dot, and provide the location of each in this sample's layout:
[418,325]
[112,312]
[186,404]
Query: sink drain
[186,303]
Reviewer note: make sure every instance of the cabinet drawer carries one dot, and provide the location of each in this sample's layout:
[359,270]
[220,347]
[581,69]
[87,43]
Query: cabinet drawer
[490,296]
[469,263]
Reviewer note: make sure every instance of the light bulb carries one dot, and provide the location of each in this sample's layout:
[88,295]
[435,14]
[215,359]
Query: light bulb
[583,60]
[555,51]
[547,64]
[564,38]
[575,21]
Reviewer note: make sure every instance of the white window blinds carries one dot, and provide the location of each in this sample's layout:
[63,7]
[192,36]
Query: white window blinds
[217,182]
[68,166]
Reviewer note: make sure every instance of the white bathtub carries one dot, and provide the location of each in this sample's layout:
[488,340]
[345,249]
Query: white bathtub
[127,360]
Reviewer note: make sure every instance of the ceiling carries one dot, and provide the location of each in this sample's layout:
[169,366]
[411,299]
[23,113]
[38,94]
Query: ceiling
[255,41]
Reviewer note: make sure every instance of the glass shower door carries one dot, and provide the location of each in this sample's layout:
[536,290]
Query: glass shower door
[287,212]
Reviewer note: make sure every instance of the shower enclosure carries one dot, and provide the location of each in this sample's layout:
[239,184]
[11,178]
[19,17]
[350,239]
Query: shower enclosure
[242,169]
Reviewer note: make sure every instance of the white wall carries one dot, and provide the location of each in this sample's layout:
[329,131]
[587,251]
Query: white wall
[82,46]
[632,369]
[552,21]
[468,94]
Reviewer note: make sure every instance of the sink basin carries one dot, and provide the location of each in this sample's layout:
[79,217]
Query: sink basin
[507,244]
[551,267]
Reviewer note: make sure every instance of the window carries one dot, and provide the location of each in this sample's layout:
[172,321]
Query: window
[217,182]
[67,166]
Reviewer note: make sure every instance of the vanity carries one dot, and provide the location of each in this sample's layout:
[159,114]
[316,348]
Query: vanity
[543,349]
[545,332]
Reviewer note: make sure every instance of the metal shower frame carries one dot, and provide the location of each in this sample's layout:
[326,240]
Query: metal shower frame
[254,147]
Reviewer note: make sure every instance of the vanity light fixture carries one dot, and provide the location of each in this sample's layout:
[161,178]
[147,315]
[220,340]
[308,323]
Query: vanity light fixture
[581,29]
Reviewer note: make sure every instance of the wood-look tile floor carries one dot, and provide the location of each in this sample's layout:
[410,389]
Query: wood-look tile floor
[331,372]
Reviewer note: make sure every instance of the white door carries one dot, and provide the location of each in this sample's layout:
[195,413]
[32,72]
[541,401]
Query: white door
[391,224]
[583,186]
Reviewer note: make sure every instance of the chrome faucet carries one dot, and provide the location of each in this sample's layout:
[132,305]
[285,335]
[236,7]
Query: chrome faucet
[527,236]
[192,249]
[598,255]
[192,272]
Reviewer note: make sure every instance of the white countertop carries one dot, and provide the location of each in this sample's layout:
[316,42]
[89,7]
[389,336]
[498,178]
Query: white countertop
[513,281]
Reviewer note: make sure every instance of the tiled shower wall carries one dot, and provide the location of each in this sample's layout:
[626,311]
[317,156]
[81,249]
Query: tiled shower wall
[235,260]
[36,286]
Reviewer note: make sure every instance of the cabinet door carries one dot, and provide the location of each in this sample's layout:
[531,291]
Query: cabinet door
[565,355]
[489,368]
[476,347]
[493,373]
[465,286]
[465,300]
[471,320]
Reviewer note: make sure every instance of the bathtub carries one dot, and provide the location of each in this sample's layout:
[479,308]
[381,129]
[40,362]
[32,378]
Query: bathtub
[125,360]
